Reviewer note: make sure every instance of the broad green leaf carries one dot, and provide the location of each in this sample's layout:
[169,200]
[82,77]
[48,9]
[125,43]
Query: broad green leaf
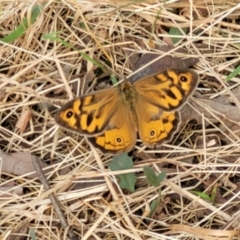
[32,234]
[152,178]
[113,79]
[177,32]
[123,162]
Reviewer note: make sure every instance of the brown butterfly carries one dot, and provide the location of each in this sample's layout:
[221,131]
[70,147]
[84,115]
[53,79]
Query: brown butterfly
[112,118]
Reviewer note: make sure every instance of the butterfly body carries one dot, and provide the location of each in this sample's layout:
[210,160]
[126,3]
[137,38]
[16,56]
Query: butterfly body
[112,118]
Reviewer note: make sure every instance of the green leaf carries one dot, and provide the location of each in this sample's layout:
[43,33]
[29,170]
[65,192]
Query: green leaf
[152,178]
[113,79]
[32,234]
[202,195]
[123,162]
[24,25]
[213,194]
[83,25]
[154,205]
[177,32]
[233,74]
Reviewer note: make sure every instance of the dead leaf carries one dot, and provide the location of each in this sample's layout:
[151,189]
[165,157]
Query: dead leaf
[161,64]
[8,189]
[24,119]
[7,192]
[19,164]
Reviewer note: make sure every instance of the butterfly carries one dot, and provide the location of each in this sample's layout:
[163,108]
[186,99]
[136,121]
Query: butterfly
[112,118]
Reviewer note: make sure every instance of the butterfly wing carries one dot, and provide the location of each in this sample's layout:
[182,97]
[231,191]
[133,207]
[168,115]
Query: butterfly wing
[120,134]
[154,124]
[88,114]
[159,97]
[169,89]
[103,117]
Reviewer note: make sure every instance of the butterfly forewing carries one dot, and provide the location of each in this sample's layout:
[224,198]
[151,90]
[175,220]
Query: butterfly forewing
[89,114]
[167,90]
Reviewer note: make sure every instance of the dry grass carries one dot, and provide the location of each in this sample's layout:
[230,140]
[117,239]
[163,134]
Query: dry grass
[39,74]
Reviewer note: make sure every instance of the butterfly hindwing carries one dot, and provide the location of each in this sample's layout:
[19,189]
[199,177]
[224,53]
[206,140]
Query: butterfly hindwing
[154,124]
[119,134]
